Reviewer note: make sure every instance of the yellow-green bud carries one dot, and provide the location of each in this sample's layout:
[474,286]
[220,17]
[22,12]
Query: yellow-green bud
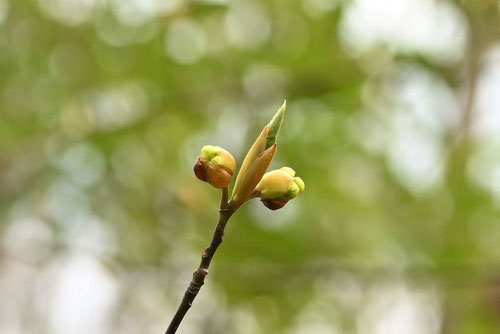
[215,165]
[277,187]
[257,160]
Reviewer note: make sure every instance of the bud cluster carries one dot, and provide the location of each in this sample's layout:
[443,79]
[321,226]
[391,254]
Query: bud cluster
[216,166]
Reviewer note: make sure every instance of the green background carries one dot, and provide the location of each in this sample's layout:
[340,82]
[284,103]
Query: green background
[392,122]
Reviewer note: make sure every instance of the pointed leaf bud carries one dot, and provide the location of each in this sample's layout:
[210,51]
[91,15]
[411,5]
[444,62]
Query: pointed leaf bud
[275,126]
[277,187]
[257,160]
[215,165]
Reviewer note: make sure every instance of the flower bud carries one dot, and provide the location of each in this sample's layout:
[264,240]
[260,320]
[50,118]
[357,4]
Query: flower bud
[257,160]
[215,165]
[277,187]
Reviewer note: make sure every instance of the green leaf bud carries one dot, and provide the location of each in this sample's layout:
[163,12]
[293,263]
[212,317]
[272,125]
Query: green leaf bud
[257,160]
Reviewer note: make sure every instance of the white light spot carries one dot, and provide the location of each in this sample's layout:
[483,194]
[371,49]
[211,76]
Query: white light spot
[83,163]
[185,41]
[247,25]
[416,159]
[118,106]
[245,321]
[27,239]
[407,120]
[436,29]
[63,201]
[77,295]
[393,309]
[70,12]
[134,12]
[487,120]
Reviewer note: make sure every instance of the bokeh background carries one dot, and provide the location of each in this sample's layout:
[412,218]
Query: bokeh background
[393,121]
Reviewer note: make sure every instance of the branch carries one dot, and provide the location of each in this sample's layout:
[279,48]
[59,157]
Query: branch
[225,212]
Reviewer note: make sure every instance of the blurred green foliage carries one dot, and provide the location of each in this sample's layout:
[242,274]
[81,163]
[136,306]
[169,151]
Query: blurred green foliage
[392,122]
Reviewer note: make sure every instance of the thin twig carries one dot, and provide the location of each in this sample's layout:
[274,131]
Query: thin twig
[225,212]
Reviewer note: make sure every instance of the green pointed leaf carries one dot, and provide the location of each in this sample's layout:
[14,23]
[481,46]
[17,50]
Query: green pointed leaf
[275,126]
[257,148]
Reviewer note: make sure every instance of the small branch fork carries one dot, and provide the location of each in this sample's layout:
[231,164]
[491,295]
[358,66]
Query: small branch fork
[225,212]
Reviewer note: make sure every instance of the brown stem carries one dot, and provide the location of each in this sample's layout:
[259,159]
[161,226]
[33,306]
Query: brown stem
[225,212]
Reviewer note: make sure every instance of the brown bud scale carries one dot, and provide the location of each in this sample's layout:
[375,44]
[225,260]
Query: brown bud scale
[200,171]
[274,204]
